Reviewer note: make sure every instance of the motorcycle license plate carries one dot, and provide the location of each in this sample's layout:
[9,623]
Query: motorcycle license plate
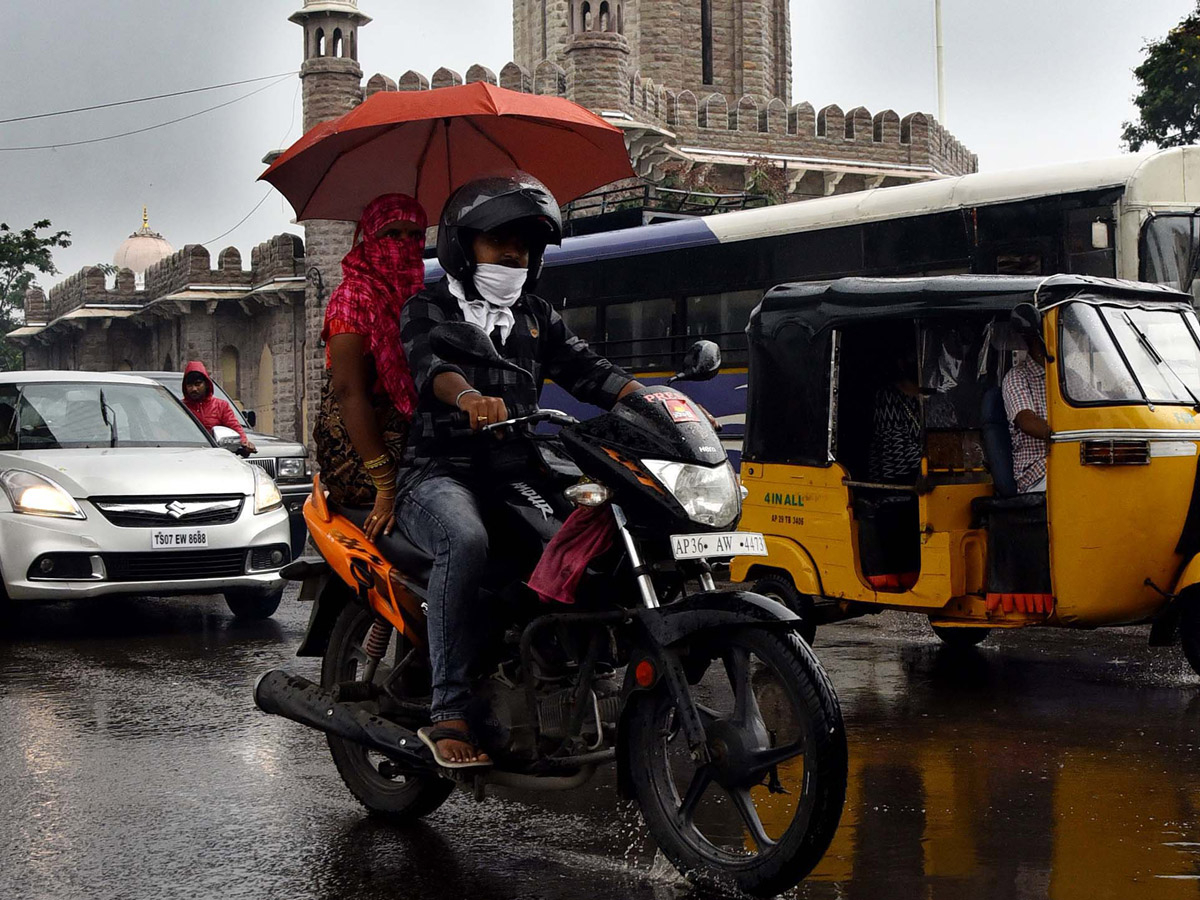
[179,539]
[727,543]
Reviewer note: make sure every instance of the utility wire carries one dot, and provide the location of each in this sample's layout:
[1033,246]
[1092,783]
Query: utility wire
[291,125]
[113,137]
[79,109]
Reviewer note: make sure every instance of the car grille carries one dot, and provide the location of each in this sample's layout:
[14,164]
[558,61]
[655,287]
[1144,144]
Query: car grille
[155,512]
[266,463]
[170,565]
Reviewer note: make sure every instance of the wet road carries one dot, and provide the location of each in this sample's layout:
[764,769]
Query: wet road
[133,764]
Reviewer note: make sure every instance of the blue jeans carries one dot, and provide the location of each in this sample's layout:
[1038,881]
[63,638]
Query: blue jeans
[441,515]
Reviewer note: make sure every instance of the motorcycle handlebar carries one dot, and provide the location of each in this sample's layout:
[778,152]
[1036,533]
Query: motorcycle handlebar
[458,424]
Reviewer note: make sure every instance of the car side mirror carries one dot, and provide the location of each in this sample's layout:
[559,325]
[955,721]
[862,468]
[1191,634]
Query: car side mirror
[226,438]
[251,417]
[702,363]
[464,342]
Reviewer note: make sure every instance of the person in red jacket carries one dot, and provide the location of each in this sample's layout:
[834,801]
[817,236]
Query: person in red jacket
[209,409]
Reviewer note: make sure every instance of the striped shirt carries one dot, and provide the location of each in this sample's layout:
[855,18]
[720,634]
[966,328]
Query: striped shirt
[540,342]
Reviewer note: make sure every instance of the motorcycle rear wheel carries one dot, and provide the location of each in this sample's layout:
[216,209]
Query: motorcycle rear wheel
[764,699]
[401,799]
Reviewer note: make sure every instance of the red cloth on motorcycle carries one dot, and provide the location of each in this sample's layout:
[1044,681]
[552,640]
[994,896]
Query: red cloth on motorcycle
[211,411]
[378,277]
[587,533]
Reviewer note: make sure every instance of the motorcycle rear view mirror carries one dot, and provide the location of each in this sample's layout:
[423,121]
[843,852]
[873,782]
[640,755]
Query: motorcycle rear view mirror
[463,342]
[702,363]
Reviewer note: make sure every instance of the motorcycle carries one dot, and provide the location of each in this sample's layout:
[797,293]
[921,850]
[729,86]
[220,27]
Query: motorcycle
[720,720]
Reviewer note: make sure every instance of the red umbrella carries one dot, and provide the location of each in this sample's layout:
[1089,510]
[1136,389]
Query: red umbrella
[427,143]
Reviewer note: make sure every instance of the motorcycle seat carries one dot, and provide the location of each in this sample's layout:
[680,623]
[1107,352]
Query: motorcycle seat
[406,556]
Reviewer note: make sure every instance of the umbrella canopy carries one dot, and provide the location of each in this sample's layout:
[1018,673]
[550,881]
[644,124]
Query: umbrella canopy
[428,143]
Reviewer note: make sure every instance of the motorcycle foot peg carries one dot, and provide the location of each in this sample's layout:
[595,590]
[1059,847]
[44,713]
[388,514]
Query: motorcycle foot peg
[354,691]
[477,789]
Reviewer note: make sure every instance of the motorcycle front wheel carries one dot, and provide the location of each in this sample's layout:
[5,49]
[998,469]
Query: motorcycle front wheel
[761,811]
[397,798]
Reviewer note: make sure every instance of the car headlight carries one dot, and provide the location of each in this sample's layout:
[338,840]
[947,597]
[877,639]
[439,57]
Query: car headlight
[291,468]
[266,494]
[36,495]
[709,495]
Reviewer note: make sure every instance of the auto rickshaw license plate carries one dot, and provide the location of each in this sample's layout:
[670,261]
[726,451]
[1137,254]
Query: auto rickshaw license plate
[728,543]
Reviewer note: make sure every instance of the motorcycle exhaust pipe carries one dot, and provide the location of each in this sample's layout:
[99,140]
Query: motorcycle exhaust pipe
[294,697]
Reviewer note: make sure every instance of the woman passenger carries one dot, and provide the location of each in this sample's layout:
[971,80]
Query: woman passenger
[369,397]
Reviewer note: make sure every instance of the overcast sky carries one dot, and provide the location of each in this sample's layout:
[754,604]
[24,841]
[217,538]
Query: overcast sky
[1028,81]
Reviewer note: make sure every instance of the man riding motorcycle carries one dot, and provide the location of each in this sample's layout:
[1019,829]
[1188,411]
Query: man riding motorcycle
[491,240]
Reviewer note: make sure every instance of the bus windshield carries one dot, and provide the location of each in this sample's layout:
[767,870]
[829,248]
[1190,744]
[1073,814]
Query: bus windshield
[1170,250]
[1115,354]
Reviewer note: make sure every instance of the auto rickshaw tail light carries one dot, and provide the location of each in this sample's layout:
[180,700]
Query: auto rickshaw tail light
[1114,453]
[645,674]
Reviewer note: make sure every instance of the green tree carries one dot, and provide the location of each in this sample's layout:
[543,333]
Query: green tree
[1169,100]
[23,255]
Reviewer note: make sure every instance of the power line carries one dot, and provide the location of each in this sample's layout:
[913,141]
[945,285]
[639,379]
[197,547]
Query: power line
[257,205]
[79,109]
[123,134]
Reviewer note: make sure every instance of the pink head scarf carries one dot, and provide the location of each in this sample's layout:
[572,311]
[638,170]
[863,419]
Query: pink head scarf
[378,276]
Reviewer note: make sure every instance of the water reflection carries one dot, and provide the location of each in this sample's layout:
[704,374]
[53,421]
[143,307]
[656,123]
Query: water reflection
[1010,775]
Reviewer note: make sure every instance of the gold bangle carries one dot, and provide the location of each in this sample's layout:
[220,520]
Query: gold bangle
[378,462]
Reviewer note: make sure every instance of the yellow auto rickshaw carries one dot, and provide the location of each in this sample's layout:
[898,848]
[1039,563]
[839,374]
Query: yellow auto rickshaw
[879,453]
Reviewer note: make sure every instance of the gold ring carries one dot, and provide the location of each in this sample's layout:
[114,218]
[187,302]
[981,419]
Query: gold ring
[482,418]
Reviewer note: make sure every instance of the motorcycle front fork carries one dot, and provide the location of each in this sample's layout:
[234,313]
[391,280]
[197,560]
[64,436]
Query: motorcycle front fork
[641,573]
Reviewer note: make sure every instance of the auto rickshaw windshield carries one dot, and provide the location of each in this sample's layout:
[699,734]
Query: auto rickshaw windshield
[1120,354]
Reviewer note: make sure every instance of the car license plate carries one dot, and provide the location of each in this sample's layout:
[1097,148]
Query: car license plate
[728,543]
[179,539]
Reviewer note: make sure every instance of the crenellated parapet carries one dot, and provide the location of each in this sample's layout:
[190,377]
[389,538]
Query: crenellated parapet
[188,269]
[749,124]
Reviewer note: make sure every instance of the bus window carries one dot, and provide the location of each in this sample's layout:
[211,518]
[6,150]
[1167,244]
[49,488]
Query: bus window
[582,321]
[1083,256]
[722,318]
[638,334]
[1168,248]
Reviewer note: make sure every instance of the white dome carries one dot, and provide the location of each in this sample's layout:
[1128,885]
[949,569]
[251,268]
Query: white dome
[142,249]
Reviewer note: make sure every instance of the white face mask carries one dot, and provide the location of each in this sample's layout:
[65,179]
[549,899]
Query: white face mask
[500,285]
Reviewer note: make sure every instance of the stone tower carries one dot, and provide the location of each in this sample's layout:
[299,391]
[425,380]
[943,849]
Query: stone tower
[332,81]
[731,47]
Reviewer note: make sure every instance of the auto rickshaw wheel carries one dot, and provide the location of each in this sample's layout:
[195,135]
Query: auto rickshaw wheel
[779,586]
[961,638]
[1189,633]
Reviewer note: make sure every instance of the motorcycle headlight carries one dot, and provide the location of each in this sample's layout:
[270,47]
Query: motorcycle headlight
[292,468]
[36,495]
[266,494]
[709,495]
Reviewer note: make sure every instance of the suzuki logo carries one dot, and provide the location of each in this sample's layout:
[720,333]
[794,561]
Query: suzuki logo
[176,510]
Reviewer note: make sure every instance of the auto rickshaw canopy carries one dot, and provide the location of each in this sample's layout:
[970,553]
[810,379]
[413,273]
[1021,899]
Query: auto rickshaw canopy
[791,332]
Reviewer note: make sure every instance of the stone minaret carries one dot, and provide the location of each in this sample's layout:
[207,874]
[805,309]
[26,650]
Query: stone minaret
[597,59]
[332,83]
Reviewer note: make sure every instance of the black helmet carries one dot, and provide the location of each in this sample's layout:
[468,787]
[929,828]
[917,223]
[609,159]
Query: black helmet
[488,203]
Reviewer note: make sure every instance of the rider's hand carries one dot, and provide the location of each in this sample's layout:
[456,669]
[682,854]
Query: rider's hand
[382,518]
[483,410]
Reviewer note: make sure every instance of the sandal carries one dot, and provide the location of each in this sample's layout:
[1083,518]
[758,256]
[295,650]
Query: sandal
[431,734]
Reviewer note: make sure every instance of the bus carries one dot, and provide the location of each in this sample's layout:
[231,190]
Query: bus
[641,296]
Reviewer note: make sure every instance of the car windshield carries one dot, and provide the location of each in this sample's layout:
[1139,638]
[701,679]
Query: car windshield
[67,415]
[174,383]
[1169,250]
[1116,354]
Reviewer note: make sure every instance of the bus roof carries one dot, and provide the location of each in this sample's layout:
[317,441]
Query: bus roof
[1167,176]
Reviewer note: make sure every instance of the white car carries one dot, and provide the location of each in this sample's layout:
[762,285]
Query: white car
[109,486]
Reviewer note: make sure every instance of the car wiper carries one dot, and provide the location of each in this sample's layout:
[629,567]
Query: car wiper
[111,423]
[1158,358]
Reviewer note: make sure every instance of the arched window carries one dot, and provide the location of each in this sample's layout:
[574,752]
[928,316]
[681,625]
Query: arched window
[706,41]
[586,15]
[168,365]
[320,42]
[571,16]
[620,19]
[352,44]
[335,48]
[229,372]
[604,16]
